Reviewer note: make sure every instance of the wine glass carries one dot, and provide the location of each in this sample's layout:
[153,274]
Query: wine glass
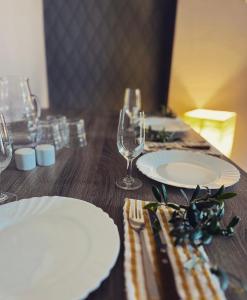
[130,143]
[132,103]
[5,156]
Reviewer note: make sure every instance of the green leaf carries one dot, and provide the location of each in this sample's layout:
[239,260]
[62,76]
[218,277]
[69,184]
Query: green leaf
[173,205]
[234,221]
[156,226]
[219,192]
[226,196]
[213,226]
[152,206]
[206,204]
[158,136]
[193,215]
[229,231]
[157,193]
[207,238]
[195,193]
[221,211]
[197,234]
[164,193]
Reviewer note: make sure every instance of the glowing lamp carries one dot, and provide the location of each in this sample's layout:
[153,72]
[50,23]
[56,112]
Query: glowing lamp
[217,127]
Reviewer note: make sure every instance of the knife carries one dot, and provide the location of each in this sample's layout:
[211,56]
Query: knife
[166,282]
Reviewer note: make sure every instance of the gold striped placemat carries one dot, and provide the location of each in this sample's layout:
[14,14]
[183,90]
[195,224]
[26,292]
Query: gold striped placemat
[192,284]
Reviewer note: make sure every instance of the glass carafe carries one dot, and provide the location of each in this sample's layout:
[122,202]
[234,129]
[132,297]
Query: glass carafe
[21,110]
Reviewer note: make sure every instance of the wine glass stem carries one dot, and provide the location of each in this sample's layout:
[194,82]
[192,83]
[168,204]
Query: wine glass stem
[2,195]
[129,168]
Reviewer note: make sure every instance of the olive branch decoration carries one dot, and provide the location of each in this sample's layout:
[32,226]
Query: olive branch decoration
[197,222]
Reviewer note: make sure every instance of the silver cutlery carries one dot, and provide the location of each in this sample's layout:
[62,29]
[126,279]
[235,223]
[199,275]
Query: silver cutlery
[199,146]
[137,223]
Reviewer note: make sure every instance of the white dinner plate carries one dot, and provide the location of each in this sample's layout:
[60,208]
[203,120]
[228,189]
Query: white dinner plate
[186,169]
[54,248]
[167,124]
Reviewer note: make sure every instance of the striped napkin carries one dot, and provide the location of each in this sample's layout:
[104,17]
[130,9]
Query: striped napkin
[191,284]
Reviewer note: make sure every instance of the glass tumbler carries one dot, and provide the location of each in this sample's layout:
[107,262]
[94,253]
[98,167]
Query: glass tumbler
[77,134]
[63,127]
[48,133]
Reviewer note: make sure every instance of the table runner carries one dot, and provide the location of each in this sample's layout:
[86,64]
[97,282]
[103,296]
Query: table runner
[191,284]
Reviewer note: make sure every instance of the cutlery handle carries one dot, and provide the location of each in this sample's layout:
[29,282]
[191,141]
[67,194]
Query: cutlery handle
[196,146]
[150,281]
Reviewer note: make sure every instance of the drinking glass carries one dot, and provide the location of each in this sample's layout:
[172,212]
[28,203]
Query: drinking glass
[130,143]
[20,108]
[77,134]
[48,133]
[63,127]
[5,156]
[132,103]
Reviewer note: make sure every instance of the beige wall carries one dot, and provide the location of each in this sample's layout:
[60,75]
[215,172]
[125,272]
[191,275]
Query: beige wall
[22,50]
[209,68]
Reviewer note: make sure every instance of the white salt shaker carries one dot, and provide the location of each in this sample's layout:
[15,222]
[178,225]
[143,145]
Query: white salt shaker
[25,159]
[45,155]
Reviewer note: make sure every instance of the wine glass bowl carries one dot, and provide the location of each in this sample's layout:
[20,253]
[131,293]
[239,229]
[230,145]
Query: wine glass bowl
[5,145]
[5,156]
[130,143]
[132,102]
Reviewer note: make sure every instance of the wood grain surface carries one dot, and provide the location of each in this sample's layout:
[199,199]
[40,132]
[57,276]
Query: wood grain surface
[90,173]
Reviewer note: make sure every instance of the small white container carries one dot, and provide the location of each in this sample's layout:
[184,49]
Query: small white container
[25,159]
[45,155]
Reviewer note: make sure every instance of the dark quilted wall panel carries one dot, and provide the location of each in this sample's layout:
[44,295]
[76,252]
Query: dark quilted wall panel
[96,48]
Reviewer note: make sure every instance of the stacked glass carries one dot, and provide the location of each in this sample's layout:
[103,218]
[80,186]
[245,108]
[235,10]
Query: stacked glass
[77,134]
[62,132]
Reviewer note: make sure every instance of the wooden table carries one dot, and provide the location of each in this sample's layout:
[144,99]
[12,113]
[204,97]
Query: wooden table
[90,174]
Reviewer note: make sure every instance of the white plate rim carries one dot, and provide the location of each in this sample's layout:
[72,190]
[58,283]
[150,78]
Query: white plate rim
[231,177]
[22,212]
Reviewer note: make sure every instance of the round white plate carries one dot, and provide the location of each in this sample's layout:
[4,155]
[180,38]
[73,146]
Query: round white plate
[186,169]
[54,248]
[169,124]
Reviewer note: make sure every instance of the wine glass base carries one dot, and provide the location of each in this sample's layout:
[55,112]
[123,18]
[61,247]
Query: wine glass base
[130,185]
[7,197]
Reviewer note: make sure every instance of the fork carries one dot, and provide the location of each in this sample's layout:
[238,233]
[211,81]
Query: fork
[137,223]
